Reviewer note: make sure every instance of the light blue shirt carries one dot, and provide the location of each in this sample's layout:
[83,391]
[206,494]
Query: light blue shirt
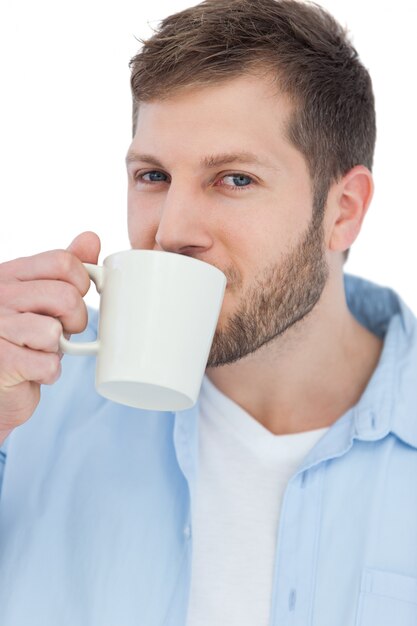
[95,509]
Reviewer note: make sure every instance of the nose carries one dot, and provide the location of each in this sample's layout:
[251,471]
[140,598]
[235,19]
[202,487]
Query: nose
[182,227]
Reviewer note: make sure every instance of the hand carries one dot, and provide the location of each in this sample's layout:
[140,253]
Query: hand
[40,297]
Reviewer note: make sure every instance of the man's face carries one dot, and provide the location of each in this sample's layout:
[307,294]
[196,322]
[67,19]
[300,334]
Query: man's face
[212,176]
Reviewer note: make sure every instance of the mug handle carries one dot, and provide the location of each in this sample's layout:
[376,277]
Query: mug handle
[86,348]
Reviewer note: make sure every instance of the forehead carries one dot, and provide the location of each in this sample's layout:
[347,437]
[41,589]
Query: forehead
[247,113]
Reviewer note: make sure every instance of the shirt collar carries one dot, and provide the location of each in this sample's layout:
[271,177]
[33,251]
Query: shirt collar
[389,401]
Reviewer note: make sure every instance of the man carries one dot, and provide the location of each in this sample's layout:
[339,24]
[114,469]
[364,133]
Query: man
[287,494]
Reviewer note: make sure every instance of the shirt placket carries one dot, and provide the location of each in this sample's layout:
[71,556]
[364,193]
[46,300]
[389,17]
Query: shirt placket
[297,549]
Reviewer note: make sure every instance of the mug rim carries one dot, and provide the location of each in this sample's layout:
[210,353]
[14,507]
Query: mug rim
[142,251]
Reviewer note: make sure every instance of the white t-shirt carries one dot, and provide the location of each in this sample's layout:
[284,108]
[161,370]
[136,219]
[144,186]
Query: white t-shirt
[243,472]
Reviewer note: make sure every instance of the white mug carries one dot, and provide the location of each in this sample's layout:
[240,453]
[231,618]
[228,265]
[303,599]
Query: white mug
[157,319]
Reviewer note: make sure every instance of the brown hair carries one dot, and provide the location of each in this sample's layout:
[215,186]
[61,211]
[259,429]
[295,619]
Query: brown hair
[301,45]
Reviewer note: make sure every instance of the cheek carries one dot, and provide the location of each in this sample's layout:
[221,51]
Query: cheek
[143,216]
[252,243]
[142,229]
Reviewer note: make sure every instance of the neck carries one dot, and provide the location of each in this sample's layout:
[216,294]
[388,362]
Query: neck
[311,375]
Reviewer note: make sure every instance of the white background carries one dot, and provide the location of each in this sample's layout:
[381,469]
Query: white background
[65,125]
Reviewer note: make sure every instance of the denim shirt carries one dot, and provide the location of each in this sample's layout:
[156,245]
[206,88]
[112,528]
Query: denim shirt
[96,502]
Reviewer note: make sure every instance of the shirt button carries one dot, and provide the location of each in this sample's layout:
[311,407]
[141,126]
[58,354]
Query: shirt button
[187,531]
[303,479]
[291,599]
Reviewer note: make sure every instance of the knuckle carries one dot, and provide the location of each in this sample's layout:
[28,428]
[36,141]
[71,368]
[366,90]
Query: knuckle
[71,298]
[52,369]
[65,262]
[75,319]
[85,282]
[82,319]
[54,332]
[72,270]
[23,327]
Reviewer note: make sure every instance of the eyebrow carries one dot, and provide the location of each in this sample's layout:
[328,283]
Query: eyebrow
[213,160]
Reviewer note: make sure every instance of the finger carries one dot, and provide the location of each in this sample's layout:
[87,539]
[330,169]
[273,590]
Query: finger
[19,364]
[53,298]
[18,403]
[39,332]
[53,265]
[86,247]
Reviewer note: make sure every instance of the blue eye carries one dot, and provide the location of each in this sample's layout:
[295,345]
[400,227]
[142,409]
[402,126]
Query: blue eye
[154,177]
[239,180]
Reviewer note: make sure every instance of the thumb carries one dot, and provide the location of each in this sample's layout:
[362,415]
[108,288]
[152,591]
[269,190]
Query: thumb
[86,247]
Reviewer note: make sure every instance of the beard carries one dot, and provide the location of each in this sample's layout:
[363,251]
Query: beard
[282,295]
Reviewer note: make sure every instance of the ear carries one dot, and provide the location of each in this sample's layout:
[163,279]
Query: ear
[347,204]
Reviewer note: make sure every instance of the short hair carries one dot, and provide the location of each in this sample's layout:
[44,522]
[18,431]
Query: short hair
[301,45]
